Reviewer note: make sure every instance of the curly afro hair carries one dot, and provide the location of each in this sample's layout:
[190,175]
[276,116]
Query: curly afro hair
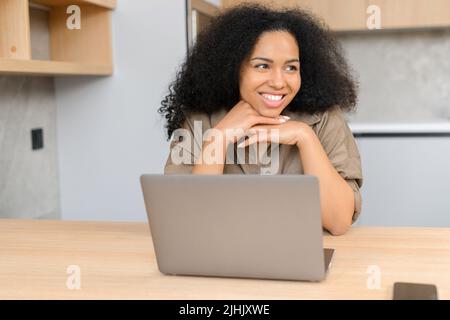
[209,77]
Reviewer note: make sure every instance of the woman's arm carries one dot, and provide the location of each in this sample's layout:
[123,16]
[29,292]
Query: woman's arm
[336,196]
[205,164]
[329,155]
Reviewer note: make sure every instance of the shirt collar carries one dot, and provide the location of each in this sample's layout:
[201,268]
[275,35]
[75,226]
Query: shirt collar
[309,119]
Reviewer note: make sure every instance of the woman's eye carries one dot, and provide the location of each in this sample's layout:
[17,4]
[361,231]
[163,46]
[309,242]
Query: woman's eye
[292,68]
[262,66]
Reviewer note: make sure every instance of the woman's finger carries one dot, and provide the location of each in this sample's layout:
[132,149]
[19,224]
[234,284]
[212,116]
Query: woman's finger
[255,129]
[268,120]
[261,135]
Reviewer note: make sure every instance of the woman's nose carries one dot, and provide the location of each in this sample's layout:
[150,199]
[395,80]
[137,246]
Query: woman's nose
[277,80]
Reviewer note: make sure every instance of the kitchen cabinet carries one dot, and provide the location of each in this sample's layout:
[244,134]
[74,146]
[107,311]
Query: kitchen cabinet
[352,15]
[86,50]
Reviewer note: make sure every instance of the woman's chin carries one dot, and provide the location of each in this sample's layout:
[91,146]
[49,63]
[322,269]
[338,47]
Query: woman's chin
[270,112]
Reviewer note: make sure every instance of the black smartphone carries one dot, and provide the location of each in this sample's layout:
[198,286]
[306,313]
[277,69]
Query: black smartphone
[414,291]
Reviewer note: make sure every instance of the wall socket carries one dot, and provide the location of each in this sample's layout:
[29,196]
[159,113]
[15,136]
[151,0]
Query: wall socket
[37,138]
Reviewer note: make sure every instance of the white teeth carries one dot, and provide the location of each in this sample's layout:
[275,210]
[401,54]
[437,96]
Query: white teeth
[272,97]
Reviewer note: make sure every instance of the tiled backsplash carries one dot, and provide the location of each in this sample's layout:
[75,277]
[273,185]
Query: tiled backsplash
[404,76]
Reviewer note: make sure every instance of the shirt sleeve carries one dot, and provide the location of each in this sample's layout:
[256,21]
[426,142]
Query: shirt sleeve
[172,167]
[342,150]
[184,146]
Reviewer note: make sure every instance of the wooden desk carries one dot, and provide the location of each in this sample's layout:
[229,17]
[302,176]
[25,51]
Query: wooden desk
[117,262]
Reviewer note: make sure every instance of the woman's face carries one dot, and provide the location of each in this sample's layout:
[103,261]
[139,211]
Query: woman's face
[270,78]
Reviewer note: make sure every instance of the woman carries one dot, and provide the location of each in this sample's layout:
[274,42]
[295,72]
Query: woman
[273,76]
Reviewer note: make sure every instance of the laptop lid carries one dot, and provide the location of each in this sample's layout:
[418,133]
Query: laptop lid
[251,226]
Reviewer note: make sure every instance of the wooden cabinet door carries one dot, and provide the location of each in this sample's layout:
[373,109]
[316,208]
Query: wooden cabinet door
[352,15]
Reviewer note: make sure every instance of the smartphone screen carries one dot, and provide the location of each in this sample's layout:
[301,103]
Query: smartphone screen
[414,291]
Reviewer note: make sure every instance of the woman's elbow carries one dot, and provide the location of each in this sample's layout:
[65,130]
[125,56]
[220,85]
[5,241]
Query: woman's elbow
[340,228]
[343,220]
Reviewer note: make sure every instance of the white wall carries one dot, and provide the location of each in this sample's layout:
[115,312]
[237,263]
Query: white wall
[108,129]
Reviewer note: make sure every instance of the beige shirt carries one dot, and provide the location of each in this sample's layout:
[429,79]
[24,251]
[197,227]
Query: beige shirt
[330,127]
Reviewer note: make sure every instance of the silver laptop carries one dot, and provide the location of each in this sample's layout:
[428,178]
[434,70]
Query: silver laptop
[245,226]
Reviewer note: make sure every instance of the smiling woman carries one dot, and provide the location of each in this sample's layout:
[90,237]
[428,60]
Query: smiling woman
[258,76]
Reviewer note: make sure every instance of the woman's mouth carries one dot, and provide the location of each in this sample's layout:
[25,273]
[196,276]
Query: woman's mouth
[272,100]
